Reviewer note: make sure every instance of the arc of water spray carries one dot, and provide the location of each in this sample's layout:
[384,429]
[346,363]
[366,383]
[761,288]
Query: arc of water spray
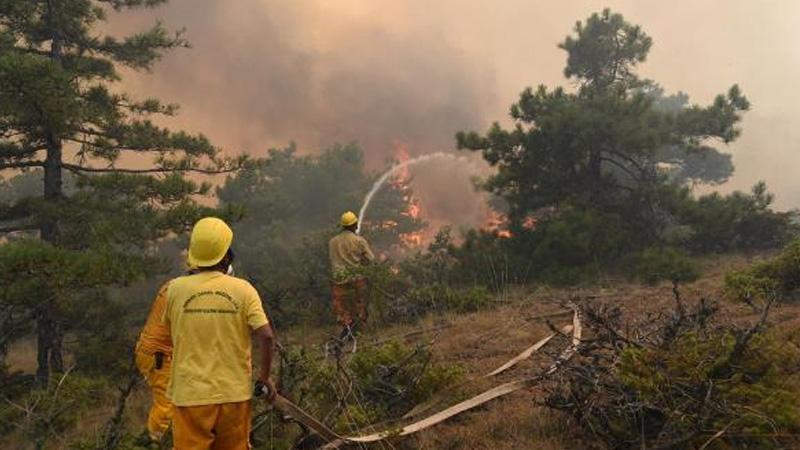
[392,170]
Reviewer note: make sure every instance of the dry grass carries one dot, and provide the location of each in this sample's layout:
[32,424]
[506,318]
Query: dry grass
[484,340]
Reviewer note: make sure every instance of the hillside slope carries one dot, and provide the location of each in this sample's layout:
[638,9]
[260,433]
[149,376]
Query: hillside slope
[484,340]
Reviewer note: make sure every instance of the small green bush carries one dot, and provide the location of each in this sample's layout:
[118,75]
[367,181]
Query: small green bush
[738,221]
[761,396]
[574,246]
[376,384]
[392,378]
[682,379]
[413,303]
[656,264]
[776,277]
[54,409]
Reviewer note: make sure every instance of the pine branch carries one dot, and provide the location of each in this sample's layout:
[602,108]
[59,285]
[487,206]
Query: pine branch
[623,167]
[21,164]
[82,169]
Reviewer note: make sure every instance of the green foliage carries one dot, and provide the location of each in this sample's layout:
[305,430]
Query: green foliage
[393,378]
[484,259]
[438,298]
[287,195]
[402,296]
[605,50]
[760,398]
[104,333]
[773,278]
[575,245]
[377,384]
[737,221]
[66,127]
[656,264]
[43,414]
[682,379]
[601,171]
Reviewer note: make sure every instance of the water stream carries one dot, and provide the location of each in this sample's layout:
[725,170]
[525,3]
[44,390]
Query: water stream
[392,170]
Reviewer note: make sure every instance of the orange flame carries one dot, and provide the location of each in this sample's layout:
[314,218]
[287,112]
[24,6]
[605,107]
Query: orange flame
[402,155]
[413,208]
[529,223]
[497,223]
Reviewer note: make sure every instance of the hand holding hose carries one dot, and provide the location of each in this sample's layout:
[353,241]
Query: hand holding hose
[267,389]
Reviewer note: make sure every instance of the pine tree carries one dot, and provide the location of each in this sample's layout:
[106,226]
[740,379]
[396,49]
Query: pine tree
[61,112]
[610,144]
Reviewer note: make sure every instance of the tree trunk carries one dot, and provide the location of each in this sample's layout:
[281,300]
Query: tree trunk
[594,175]
[49,356]
[44,343]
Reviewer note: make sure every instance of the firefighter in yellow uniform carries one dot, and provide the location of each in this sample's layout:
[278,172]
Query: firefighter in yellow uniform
[153,359]
[211,316]
[349,254]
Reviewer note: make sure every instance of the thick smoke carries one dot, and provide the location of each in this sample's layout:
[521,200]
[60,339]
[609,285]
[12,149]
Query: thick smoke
[263,73]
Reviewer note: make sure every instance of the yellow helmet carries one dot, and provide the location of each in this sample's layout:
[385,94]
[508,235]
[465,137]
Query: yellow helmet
[349,219]
[211,239]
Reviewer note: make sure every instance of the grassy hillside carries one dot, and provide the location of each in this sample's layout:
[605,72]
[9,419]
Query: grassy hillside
[479,342]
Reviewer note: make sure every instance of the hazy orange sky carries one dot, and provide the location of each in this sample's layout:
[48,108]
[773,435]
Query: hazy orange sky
[262,73]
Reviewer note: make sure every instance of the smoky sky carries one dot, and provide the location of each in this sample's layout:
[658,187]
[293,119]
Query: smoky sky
[262,73]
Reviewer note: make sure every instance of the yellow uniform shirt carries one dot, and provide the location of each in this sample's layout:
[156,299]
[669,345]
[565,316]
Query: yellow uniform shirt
[211,316]
[155,335]
[348,252]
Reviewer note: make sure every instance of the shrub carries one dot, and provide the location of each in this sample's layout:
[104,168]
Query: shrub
[578,244]
[682,380]
[486,259]
[376,384]
[392,378]
[776,277]
[656,264]
[737,221]
[43,414]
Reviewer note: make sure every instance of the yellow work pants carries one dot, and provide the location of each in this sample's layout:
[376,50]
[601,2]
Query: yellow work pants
[161,411]
[225,426]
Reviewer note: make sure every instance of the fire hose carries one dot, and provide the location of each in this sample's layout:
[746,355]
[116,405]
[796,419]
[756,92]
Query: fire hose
[335,441]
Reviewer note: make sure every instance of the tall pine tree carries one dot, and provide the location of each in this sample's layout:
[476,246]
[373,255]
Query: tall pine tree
[611,145]
[61,112]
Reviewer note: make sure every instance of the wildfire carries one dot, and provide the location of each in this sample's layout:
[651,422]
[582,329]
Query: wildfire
[529,223]
[498,224]
[401,155]
[413,207]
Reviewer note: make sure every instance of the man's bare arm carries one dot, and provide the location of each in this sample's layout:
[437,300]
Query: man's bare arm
[266,345]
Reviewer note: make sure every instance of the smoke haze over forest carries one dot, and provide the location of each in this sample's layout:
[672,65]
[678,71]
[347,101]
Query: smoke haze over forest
[263,73]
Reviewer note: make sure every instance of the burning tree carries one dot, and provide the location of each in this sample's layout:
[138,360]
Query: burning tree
[402,183]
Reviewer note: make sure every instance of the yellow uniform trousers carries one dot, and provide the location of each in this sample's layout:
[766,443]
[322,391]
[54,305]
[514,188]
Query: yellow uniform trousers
[225,426]
[157,378]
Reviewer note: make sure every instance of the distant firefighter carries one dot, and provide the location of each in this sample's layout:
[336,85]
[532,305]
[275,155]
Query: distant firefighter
[349,254]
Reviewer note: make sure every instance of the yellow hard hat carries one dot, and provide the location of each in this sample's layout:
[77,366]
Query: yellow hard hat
[349,219]
[211,239]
